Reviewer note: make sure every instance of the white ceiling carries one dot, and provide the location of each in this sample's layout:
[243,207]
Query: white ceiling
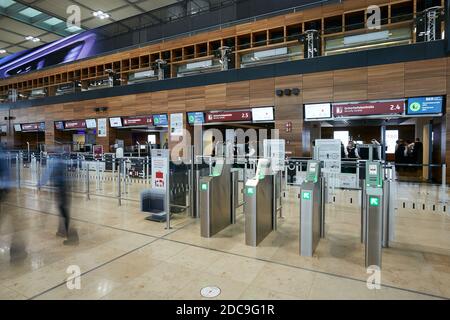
[14,26]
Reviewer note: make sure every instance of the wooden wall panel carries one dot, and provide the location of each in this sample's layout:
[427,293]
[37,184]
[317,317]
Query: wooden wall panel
[177,100]
[215,96]
[262,92]
[386,81]
[159,102]
[238,95]
[195,99]
[378,82]
[350,85]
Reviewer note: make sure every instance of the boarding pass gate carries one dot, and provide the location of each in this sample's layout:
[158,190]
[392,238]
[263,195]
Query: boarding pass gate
[376,211]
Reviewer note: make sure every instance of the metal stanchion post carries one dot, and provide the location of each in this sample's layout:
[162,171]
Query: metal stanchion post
[18,171]
[322,206]
[119,182]
[148,169]
[444,176]
[87,181]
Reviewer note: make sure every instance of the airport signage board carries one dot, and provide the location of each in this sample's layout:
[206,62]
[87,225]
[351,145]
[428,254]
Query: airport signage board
[115,122]
[39,126]
[59,125]
[394,107]
[262,114]
[91,123]
[196,118]
[228,116]
[160,120]
[317,111]
[75,124]
[137,121]
[425,105]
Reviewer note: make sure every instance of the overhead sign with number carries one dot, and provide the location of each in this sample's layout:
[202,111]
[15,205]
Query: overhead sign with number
[228,116]
[394,107]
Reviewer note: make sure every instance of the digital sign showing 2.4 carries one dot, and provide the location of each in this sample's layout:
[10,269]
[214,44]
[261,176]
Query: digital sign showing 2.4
[425,105]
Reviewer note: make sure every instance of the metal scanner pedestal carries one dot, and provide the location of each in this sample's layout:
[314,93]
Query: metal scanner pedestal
[259,211]
[215,202]
[312,211]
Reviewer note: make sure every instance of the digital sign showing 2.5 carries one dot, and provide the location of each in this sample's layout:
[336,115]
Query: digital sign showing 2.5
[425,105]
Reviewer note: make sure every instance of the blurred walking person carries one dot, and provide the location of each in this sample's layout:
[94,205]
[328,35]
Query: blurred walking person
[17,250]
[56,173]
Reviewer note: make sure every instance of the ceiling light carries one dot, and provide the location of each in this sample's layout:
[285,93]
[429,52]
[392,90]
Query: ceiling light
[101,15]
[2,51]
[31,38]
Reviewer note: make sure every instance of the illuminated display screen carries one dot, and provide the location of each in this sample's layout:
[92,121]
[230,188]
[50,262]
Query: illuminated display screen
[317,111]
[160,120]
[196,117]
[262,114]
[425,105]
[69,49]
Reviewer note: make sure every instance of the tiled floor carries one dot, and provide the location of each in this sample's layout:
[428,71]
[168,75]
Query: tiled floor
[123,256]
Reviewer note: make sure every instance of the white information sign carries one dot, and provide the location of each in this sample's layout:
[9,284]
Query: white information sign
[275,150]
[329,152]
[176,125]
[160,170]
[102,128]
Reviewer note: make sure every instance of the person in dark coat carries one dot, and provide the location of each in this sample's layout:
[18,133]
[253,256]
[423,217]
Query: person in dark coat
[56,172]
[17,249]
[418,151]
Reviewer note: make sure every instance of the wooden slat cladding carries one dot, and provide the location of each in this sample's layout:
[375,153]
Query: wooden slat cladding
[299,18]
[387,81]
[393,81]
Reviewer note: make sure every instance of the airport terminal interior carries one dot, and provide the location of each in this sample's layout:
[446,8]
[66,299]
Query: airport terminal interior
[224,149]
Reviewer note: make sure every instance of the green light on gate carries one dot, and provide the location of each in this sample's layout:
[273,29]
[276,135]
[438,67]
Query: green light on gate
[374,202]
[306,195]
[204,186]
[250,191]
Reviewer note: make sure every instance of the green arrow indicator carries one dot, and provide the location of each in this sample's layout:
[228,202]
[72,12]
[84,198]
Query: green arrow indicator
[250,191]
[374,202]
[204,186]
[306,195]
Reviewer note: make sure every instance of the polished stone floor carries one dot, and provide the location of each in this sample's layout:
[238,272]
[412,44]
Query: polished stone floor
[123,256]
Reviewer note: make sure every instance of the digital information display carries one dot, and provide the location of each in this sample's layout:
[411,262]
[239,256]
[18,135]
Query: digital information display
[262,114]
[91,124]
[138,121]
[65,50]
[317,111]
[76,124]
[370,108]
[33,127]
[196,118]
[228,116]
[425,105]
[160,120]
[59,125]
[115,122]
